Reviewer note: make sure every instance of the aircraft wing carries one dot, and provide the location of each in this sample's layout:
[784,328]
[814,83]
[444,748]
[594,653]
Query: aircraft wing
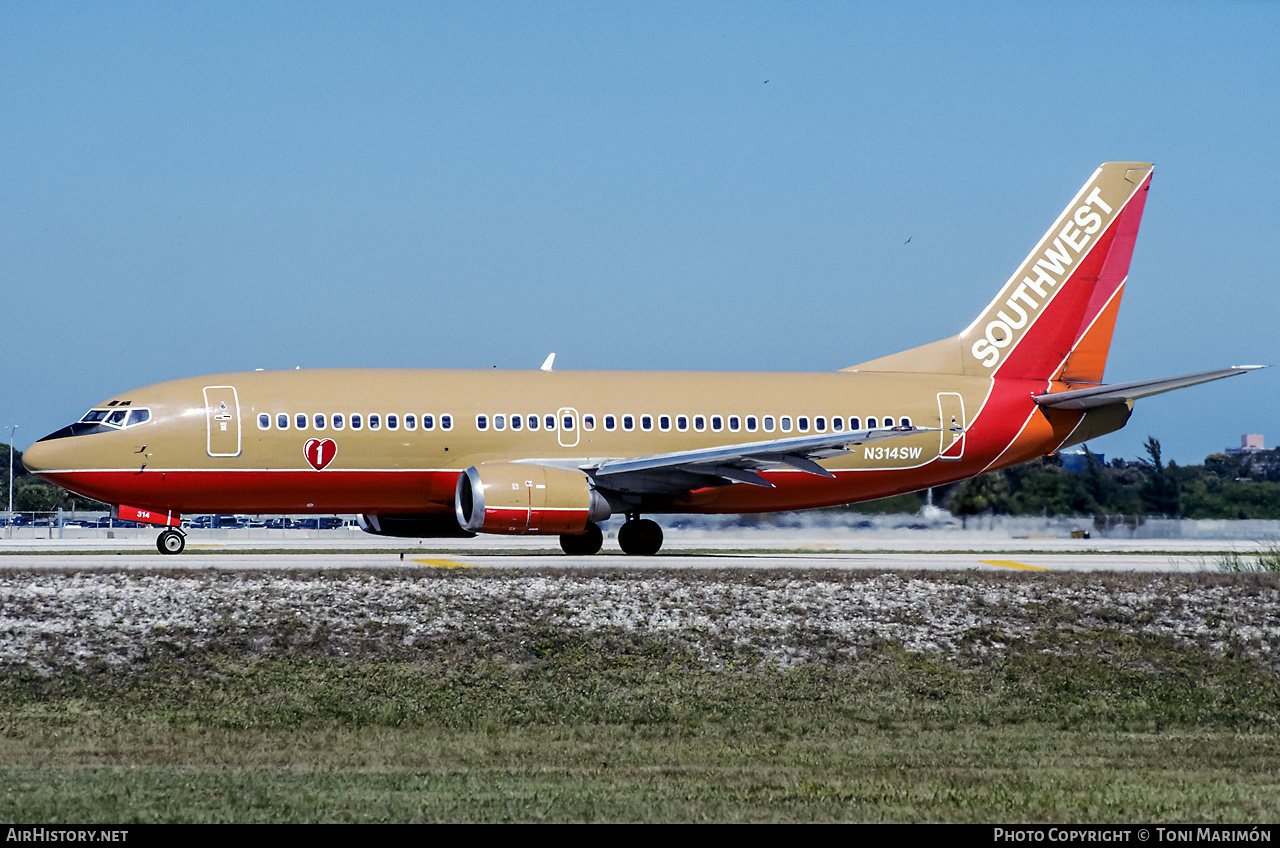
[1120,392]
[718,466]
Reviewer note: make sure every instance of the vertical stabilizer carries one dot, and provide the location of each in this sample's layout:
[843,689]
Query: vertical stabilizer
[1054,317]
[1067,291]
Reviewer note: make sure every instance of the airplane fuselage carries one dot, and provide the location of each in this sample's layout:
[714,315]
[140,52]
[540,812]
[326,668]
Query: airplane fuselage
[395,441]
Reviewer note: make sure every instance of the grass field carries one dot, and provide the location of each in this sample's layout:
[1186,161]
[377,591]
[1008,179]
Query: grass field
[601,695]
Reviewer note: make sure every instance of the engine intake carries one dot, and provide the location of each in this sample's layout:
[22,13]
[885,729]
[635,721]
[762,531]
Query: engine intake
[511,498]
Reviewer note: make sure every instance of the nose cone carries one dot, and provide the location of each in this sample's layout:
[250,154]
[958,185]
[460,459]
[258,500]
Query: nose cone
[50,454]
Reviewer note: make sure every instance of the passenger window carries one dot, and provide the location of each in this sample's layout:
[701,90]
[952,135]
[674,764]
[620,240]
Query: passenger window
[499,422]
[300,421]
[699,422]
[682,423]
[318,420]
[482,422]
[751,423]
[550,422]
[446,422]
[375,421]
[610,423]
[819,424]
[568,423]
[338,421]
[664,422]
[629,423]
[786,423]
[837,424]
[282,421]
[264,421]
[428,422]
[717,423]
[393,422]
[855,423]
[357,421]
[410,421]
[516,422]
[588,422]
[905,422]
[871,423]
[768,423]
[802,423]
[533,422]
[646,422]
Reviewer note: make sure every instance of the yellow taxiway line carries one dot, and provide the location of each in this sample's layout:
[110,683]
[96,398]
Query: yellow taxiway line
[1006,563]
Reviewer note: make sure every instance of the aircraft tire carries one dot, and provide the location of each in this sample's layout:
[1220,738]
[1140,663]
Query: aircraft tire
[585,543]
[171,542]
[640,537]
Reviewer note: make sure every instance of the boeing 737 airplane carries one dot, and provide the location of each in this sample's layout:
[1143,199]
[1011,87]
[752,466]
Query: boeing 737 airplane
[456,453]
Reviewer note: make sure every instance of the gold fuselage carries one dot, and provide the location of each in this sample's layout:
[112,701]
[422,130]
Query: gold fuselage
[179,460]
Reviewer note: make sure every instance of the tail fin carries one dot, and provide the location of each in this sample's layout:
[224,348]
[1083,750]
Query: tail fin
[1054,317]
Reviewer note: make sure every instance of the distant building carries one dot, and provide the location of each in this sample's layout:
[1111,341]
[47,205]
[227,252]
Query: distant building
[1078,460]
[1249,443]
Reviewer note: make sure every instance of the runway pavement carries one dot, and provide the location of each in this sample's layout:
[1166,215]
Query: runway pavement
[223,559]
[896,548]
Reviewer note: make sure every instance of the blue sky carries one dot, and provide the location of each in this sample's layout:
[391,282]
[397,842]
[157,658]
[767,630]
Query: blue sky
[192,188]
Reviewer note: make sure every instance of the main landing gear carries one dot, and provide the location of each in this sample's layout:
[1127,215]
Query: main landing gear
[585,543]
[637,537]
[171,542]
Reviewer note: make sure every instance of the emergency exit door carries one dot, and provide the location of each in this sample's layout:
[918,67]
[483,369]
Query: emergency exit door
[951,418]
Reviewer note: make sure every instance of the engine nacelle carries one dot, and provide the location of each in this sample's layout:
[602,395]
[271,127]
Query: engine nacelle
[510,498]
[441,526]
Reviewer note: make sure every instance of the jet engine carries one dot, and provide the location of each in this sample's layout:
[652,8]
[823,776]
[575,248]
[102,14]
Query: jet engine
[511,498]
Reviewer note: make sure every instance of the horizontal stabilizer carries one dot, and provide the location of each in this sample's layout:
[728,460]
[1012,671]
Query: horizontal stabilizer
[1121,392]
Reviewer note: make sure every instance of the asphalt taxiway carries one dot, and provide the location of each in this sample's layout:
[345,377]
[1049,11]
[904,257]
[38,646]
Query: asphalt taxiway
[223,559]
[899,549]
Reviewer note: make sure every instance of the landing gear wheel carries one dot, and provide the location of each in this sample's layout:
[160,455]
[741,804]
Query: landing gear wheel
[171,542]
[586,543]
[640,537]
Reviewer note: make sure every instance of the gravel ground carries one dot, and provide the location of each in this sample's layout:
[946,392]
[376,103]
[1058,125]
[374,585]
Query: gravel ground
[50,621]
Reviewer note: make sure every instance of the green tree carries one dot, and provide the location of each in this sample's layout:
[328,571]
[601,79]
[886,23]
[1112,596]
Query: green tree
[1049,490]
[1160,492]
[982,495]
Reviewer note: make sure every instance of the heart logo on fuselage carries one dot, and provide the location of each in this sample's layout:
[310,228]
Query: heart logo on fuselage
[320,452]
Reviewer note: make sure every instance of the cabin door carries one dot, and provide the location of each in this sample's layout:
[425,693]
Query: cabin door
[222,420]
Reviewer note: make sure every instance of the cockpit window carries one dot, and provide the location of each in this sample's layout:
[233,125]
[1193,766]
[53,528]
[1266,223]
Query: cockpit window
[118,418]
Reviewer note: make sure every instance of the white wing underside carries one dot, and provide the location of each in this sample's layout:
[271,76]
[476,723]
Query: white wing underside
[741,463]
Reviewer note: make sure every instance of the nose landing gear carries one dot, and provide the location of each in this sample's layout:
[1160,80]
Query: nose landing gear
[171,542]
